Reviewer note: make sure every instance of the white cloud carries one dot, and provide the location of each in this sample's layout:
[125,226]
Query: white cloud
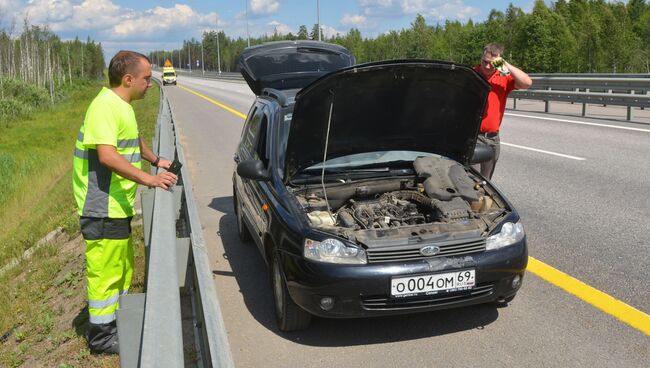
[379,8]
[159,21]
[281,28]
[353,20]
[112,21]
[46,11]
[264,6]
[94,15]
[328,31]
[375,3]
[439,9]
[431,9]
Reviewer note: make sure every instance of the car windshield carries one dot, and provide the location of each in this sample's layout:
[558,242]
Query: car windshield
[369,159]
[168,74]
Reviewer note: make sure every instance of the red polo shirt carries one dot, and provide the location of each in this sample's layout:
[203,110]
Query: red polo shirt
[496,102]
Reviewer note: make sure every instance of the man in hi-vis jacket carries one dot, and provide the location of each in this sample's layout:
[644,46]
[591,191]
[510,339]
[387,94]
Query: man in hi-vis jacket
[106,172]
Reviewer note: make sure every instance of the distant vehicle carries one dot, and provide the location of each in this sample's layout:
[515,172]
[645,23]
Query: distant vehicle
[355,183]
[169,74]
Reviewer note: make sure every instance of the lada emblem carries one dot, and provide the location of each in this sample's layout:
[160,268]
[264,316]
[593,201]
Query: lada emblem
[429,250]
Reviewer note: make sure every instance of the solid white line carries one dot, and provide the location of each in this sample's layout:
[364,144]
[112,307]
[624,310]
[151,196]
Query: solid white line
[542,151]
[580,122]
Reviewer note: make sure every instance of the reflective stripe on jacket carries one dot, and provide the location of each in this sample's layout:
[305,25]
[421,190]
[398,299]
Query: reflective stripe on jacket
[98,191]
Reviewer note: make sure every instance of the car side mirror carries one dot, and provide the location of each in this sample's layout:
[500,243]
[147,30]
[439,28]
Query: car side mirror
[482,153]
[253,169]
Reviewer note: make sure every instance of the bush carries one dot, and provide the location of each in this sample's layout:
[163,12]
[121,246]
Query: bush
[20,99]
[24,92]
[11,109]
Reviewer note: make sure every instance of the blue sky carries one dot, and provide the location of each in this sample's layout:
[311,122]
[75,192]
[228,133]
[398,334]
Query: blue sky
[161,24]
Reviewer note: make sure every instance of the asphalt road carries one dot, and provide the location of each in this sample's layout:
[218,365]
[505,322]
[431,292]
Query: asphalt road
[589,218]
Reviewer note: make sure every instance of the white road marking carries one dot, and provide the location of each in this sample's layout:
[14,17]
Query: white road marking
[542,151]
[580,122]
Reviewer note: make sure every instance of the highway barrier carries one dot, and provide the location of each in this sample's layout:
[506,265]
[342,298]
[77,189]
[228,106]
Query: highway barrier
[589,89]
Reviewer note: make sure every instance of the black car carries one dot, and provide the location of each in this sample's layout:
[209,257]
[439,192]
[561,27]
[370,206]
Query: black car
[354,181]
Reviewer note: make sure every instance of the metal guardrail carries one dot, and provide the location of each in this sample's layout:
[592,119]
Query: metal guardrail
[639,85]
[592,75]
[231,76]
[177,322]
[629,92]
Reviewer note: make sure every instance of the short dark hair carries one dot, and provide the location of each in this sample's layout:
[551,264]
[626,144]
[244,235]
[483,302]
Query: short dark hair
[124,62]
[494,48]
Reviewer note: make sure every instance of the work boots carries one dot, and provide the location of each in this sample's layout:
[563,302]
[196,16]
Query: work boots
[102,338]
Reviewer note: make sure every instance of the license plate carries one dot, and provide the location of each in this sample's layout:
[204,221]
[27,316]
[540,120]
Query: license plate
[432,284]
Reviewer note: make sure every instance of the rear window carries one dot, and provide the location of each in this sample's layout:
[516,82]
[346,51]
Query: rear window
[303,59]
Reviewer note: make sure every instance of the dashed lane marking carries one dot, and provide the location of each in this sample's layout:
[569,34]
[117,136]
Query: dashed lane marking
[579,122]
[543,151]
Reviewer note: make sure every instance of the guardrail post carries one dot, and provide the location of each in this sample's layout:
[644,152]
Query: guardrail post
[629,108]
[546,102]
[584,105]
[146,198]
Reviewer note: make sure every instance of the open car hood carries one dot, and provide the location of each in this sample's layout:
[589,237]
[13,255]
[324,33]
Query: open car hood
[290,64]
[412,105]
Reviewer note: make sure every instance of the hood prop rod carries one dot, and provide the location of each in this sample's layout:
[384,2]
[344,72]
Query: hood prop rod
[322,175]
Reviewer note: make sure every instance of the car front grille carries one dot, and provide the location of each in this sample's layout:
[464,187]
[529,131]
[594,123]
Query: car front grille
[386,303]
[412,252]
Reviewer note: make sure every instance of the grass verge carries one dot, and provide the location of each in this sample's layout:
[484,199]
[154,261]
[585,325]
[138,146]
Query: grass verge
[43,298]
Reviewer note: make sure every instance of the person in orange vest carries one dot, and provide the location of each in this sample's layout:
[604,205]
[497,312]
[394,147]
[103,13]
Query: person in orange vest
[106,173]
[503,77]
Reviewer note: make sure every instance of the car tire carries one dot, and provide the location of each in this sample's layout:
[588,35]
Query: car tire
[242,230]
[289,316]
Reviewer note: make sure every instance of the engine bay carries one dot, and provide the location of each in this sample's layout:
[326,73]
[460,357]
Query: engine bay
[442,196]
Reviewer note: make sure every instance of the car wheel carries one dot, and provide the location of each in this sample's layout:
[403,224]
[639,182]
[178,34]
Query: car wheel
[242,229]
[289,315]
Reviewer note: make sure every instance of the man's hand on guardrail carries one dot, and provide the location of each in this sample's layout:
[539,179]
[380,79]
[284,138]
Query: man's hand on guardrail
[163,180]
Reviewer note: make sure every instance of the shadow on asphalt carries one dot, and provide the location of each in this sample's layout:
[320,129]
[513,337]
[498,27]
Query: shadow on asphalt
[251,273]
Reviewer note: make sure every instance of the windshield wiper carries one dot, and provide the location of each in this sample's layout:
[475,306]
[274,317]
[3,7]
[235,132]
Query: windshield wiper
[341,170]
[384,166]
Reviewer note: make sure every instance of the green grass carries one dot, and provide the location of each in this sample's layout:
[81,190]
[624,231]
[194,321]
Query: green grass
[36,162]
[43,298]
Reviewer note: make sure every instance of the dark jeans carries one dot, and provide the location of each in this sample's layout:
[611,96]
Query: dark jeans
[487,168]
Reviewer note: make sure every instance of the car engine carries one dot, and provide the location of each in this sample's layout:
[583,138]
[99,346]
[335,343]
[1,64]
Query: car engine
[443,191]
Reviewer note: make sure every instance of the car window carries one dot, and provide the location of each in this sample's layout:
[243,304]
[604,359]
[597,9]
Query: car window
[261,146]
[251,129]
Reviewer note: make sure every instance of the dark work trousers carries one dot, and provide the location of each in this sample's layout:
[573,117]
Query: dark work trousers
[492,140]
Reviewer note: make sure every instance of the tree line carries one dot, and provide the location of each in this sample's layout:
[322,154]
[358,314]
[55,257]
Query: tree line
[576,36]
[38,57]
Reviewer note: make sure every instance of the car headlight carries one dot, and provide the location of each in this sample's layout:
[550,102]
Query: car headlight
[334,251]
[510,233]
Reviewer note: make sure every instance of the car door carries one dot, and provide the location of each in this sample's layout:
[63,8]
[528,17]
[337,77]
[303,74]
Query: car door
[254,146]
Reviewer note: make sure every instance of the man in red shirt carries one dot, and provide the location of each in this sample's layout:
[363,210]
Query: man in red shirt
[503,78]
